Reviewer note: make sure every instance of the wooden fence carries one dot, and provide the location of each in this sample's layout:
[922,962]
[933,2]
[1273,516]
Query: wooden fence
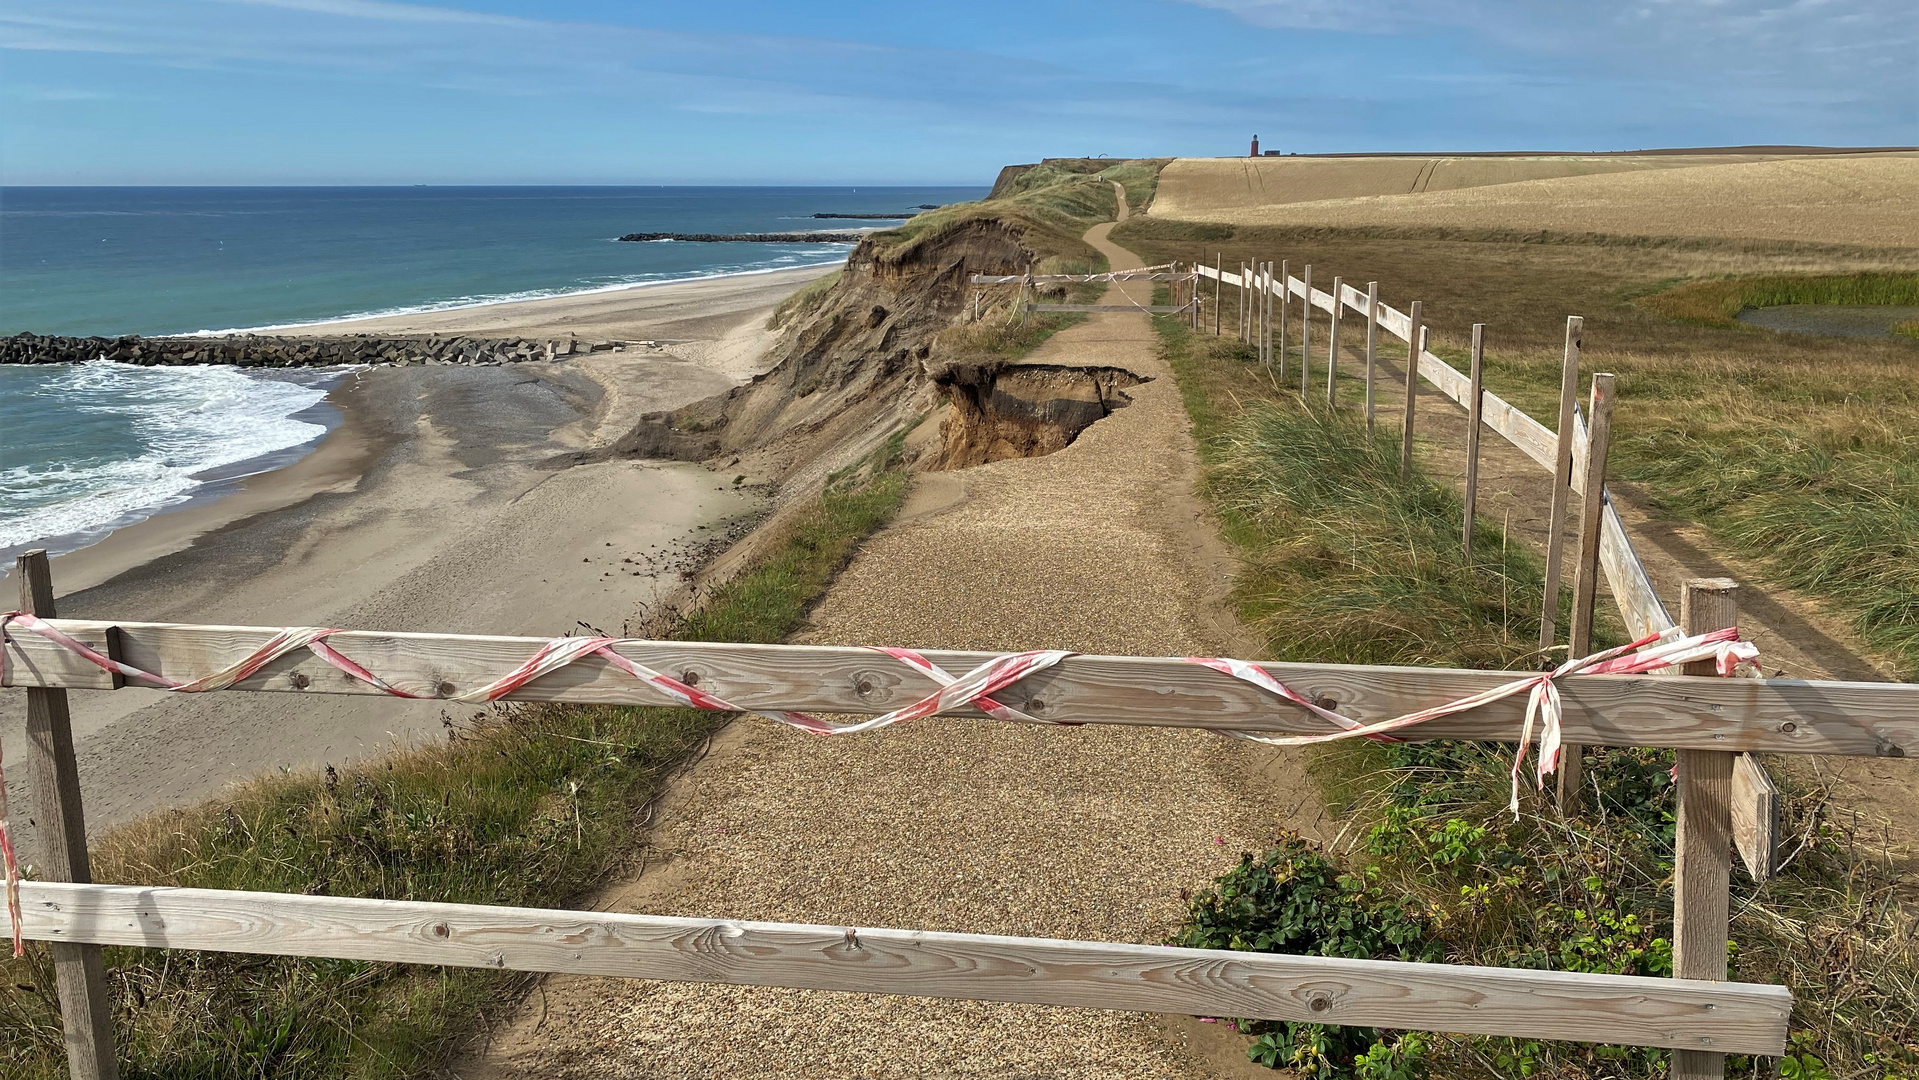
[1701,1018]
[1605,546]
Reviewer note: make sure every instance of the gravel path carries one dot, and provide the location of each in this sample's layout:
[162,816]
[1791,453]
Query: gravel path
[949,825]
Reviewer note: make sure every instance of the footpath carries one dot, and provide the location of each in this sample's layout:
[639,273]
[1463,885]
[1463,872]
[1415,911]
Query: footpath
[978,826]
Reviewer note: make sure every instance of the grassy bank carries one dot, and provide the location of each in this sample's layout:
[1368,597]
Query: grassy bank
[535,805]
[1793,451]
[1343,562]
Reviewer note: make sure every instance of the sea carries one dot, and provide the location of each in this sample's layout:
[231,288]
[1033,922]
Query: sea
[89,448]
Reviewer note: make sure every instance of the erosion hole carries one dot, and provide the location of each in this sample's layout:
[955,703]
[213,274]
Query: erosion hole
[1023,410]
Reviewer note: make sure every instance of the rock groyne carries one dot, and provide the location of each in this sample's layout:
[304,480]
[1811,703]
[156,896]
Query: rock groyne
[260,350]
[751,238]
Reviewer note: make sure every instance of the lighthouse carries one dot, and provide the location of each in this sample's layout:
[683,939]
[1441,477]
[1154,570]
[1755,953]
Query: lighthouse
[1255,152]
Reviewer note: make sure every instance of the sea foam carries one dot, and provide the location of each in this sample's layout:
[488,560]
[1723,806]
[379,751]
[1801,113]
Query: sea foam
[97,446]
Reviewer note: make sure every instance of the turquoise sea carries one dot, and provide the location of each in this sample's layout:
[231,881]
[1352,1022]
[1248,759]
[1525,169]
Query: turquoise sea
[85,449]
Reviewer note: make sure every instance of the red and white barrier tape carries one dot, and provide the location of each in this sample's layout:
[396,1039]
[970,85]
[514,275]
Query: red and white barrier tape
[975,689]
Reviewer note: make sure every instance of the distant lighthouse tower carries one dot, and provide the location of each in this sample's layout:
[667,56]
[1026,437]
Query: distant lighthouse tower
[1255,152]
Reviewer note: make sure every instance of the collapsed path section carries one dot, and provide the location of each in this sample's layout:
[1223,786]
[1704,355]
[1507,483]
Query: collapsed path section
[1086,833]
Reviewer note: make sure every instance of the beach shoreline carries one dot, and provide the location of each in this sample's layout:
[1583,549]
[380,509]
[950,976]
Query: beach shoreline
[322,326]
[431,506]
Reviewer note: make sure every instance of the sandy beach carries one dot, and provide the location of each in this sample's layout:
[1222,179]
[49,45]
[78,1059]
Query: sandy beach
[428,508]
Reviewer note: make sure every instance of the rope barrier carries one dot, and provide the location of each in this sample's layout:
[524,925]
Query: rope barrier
[975,688]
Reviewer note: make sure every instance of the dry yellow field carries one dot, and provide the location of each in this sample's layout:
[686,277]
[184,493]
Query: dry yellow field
[1866,199]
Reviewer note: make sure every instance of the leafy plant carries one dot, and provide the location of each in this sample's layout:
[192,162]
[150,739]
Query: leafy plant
[1295,899]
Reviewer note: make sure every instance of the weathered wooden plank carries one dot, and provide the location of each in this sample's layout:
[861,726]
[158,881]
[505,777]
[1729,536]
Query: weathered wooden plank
[1702,862]
[1632,590]
[1156,309]
[1736,1017]
[1592,466]
[1450,380]
[1116,275]
[1475,414]
[1755,817]
[79,973]
[1416,339]
[1395,322]
[1774,715]
[1560,464]
[1372,348]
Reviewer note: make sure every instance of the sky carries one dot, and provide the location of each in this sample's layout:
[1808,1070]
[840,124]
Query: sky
[769,92]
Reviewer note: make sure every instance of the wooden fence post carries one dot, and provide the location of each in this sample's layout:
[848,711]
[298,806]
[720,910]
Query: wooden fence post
[1262,334]
[1332,344]
[1219,285]
[1562,490]
[1239,321]
[1586,570]
[1702,869]
[1306,338]
[1266,308]
[79,976]
[1372,333]
[1415,337]
[1476,398]
[1285,277]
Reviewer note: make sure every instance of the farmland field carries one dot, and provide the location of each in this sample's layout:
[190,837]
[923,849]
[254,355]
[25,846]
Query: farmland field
[1855,199]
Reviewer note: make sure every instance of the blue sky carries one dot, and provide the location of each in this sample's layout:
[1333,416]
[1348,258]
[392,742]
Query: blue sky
[594,91]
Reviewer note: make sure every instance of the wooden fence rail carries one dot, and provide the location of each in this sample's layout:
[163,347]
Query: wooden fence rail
[1775,715]
[1744,1018]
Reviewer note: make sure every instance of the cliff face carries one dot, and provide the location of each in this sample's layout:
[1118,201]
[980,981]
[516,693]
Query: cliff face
[861,359]
[853,369]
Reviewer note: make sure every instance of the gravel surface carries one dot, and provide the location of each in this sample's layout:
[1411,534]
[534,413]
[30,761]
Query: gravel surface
[976,826]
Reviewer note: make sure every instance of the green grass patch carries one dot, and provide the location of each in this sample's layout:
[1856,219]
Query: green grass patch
[806,301]
[1342,562]
[1905,328]
[535,806]
[1719,302]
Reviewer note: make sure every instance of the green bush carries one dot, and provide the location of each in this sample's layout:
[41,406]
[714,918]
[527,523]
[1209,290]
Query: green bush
[1295,899]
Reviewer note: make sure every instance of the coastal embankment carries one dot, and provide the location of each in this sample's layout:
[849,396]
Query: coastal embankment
[430,506]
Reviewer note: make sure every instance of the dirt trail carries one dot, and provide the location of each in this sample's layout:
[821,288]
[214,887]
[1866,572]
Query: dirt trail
[968,826]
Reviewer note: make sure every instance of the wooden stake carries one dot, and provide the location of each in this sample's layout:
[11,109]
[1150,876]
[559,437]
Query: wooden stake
[1562,490]
[1219,283]
[1266,313]
[1475,399]
[1702,870]
[1415,340]
[1372,333]
[1285,285]
[79,977]
[1332,345]
[1306,337]
[1586,569]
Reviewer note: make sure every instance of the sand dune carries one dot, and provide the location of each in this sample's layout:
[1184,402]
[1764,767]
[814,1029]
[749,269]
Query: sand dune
[1868,199]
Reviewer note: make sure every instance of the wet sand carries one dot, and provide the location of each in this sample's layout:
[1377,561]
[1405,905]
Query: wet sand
[428,508]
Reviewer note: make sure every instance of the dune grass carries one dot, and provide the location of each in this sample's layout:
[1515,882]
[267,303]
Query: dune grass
[806,301]
[1343,562]
[1796,452]
[531,806]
